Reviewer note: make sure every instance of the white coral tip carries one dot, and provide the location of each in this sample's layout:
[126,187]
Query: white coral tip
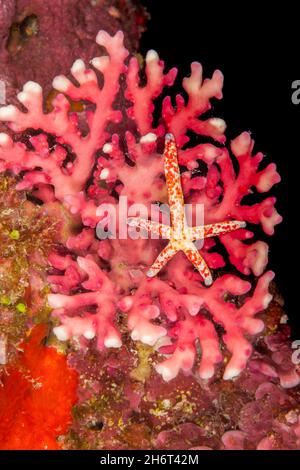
[56,300]
[78,66]
[148,339]
[104,173]
[151,56]
[206,374]
[194,309]
[8,112]
[107,148]
[61,333]
[89,334]
[112,342]
[5,140]
[148,138]
[166,373]
[135,335]
[100,63]
[32,87]
[61,83]
[267,299]
[101,37]
[22,97]
[218,123]
[230,373]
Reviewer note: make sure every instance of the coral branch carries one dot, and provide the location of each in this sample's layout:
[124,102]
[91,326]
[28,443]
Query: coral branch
[101,295]
[184,117]
[69,180]
[142,96]
[155,299]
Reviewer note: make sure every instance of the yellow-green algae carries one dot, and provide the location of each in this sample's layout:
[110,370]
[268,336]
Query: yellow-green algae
[26,237]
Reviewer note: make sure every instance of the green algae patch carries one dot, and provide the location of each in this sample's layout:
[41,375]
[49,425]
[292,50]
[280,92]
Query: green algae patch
[27,235]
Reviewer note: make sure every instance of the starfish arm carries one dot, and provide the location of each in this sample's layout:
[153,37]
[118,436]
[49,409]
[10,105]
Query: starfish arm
[214,230]
[164,231]
[172,173]
[165,255]
[194,257]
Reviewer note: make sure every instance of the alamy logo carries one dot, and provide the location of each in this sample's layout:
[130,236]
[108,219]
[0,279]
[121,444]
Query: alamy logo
[296,94]
[115,220]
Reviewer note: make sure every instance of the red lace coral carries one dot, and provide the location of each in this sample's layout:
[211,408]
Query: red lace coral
[113,149]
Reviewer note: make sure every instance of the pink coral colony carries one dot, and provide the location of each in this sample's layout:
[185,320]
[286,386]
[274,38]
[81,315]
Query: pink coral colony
[198,320]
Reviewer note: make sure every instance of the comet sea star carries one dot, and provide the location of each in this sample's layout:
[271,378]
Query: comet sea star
[180,235]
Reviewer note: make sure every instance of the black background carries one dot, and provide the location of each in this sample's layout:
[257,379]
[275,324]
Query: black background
[257,47]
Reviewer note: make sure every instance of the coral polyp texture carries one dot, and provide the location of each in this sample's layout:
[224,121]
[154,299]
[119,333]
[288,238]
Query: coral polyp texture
[96,160]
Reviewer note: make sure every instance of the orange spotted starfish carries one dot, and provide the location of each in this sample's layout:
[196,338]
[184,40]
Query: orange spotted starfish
[179,234]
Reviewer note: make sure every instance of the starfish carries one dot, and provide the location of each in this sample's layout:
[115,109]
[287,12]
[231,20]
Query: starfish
[181,236]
